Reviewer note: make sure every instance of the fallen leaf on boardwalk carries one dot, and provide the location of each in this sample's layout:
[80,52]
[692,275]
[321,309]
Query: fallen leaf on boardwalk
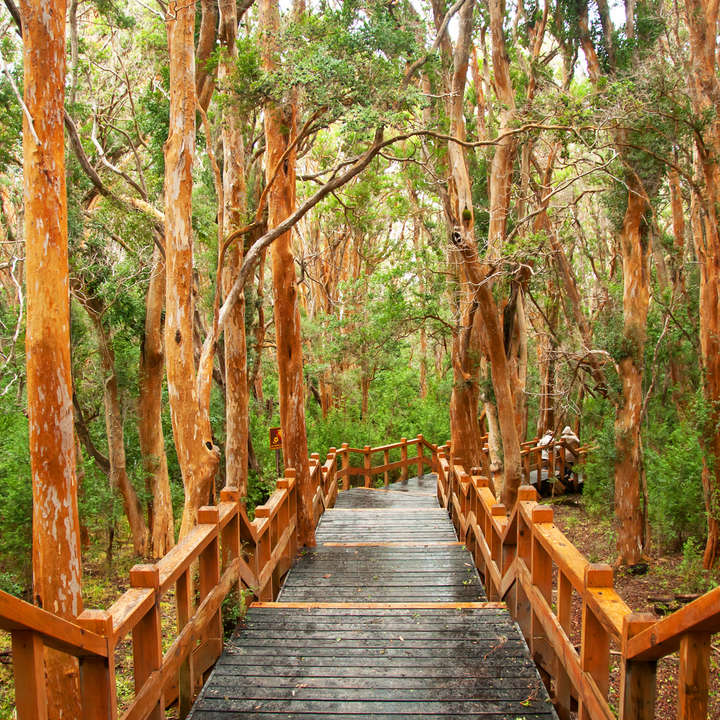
[327,576]
[401,638]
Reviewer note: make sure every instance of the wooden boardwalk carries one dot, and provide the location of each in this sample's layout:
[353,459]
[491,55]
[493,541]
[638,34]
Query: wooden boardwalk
[385,618]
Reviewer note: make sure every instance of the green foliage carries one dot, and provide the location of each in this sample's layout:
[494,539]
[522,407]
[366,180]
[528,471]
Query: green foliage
[695,578]
[674,471]
[15,503]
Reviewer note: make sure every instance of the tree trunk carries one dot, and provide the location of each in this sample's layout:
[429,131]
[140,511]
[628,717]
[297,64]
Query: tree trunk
[57,575]
[119,480]
[629,512]
[197,455]
[280,129]
[702,19]
[150,428]
[365,394]
[234,194]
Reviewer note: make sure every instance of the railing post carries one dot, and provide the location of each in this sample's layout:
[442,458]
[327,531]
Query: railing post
[637,679]
[366,465]
[209,575]
[147,635]
[420,469]
[231,533]
[693,677]
[315,457]
[97,674]
[404,459]
[345,465]
[291,475]
[524,548]
[561,462]
[442,479]
[386,461]
[563,686]
[332,475]
[28,655]
[595,641]
[184,607]
[263,550]
[541,576]
[497,510]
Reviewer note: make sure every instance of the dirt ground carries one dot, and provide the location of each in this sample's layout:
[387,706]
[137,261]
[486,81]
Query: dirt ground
[668,575]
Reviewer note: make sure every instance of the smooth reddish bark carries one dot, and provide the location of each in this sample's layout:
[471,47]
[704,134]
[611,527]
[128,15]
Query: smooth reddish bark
[57,574]
[197,455]
[280,128]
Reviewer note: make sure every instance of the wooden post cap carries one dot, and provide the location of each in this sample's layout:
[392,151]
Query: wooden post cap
[498,510]
[366,448]
[315,456]
[441,455]
[420,437]
[475,470]
[145,576]
[229,494]
[598,575]
[345,446]
[463,477]
[481,481]
[635,623]
[325,469]
[290,472]
[527,493]
[98,621]
[542,514]
[332,451]
[282,484]
[208,515]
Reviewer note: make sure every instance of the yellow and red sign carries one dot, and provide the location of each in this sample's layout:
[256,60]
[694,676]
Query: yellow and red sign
[275,438]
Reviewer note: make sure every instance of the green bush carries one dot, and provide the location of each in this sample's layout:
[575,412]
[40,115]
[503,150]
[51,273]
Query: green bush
[674,472]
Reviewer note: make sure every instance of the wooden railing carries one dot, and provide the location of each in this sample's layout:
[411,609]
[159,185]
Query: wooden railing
[409,461]
[532,461]
[528,562]
[224,552]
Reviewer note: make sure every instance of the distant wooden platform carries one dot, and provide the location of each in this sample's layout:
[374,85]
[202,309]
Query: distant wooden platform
[385,618]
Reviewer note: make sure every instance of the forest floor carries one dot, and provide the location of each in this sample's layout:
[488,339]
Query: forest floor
[668,575]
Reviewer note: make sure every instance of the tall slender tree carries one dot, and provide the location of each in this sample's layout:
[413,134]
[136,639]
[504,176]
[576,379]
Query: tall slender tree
[56,530]
[198,456]
[280,129]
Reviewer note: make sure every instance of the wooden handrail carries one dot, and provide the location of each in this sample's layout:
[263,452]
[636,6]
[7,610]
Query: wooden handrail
[663,637]
[527,561]
[19,616]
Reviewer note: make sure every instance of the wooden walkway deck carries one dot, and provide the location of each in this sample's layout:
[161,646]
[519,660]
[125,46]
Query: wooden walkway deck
[385,618]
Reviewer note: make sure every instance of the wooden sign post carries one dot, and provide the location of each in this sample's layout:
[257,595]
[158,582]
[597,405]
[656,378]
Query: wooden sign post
[276,445]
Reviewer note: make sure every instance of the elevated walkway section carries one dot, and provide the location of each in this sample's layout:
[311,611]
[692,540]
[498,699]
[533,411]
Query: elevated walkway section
[385,618]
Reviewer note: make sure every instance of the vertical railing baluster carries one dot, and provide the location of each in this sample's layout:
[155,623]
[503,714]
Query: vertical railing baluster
[637,678]
[693,676]
[97,674]
[345,465]
[147,635]
[366,466]
[28,653]
[595,641]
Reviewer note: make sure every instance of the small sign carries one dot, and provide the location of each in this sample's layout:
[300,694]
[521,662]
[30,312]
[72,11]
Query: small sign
[275,438]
